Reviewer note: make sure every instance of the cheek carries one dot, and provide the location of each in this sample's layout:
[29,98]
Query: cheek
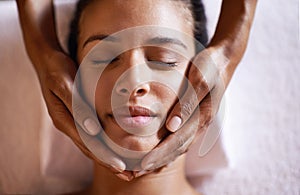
[165,95]
[103,93]
[169,91]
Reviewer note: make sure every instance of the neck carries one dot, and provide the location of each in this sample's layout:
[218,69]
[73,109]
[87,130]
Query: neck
[169,180]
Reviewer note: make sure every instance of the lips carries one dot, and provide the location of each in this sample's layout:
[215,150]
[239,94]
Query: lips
[133,116]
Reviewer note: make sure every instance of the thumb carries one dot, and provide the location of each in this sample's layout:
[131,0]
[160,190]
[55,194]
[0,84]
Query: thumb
[184,108]
[84,115]
[201,79]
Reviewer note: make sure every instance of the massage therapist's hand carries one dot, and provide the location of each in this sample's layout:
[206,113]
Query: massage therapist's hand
[207,87]
[56,72]
[56,79]
[210,74]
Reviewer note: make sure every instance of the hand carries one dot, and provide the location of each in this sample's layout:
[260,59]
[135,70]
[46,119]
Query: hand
[56,72]
[229,42]
[56,76]
[205,94]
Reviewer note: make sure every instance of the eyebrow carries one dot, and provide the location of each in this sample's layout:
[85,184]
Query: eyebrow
[155,40]
[166,40]
[100,37]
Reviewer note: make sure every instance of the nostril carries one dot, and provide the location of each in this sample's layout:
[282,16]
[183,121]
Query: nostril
[140,91]
[123,90]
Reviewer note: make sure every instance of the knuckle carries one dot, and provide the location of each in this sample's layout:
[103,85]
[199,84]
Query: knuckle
[59,85]
[167,160]
[58,119]
[184,147]
[196,76]
[187,109]
[161,164]
[180,141]
[202,86]
[206,106]
[181,150]
[63,90]
[53,78]
[184,142]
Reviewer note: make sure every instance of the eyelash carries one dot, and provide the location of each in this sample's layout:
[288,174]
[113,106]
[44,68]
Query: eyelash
[96,62]
[168,64]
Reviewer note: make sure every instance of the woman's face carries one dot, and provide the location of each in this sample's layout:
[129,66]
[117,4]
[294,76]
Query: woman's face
[142,67]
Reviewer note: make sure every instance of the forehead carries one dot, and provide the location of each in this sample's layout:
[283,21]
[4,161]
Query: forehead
[107,17]
[110,16]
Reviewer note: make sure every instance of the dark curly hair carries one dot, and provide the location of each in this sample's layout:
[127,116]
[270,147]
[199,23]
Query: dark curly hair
[195,6]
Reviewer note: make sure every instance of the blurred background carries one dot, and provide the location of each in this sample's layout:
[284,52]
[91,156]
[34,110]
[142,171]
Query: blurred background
[261,131]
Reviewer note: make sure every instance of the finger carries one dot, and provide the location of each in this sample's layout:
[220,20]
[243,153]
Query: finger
[145,172]
[102,152]
[209,106]
[141,173]
[186,106]
[62,88]
[201,75]
[176,143]
[63,121]
[170,156]
[126,175]
[84,115]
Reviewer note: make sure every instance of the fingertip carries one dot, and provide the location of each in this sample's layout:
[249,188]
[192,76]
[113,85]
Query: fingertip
[148,163]
[124,177]
[140,173]
[91,127]
[147,166]
[118,167]
[174,123]
[118,164]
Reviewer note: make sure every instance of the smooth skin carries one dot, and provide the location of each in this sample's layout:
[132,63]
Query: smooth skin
[56,72]
[121,85]
[122,80]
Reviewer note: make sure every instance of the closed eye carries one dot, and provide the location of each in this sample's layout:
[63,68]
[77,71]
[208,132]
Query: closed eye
[166,64]
[108,61]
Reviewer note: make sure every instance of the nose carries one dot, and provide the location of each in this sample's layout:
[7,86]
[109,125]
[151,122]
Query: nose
[127,89]
[133,81]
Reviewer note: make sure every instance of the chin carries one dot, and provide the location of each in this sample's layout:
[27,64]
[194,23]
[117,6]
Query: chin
[132,142]
[138,143]
[131,148]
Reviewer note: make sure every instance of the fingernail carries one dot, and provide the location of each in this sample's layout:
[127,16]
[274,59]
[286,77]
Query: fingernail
[124,177]
[91,126]
[174,123]
[149,166]
[140,173]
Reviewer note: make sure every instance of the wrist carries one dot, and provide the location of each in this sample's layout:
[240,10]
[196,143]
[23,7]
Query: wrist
[231,36]
[38,25]
[41,56]
[221,62]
